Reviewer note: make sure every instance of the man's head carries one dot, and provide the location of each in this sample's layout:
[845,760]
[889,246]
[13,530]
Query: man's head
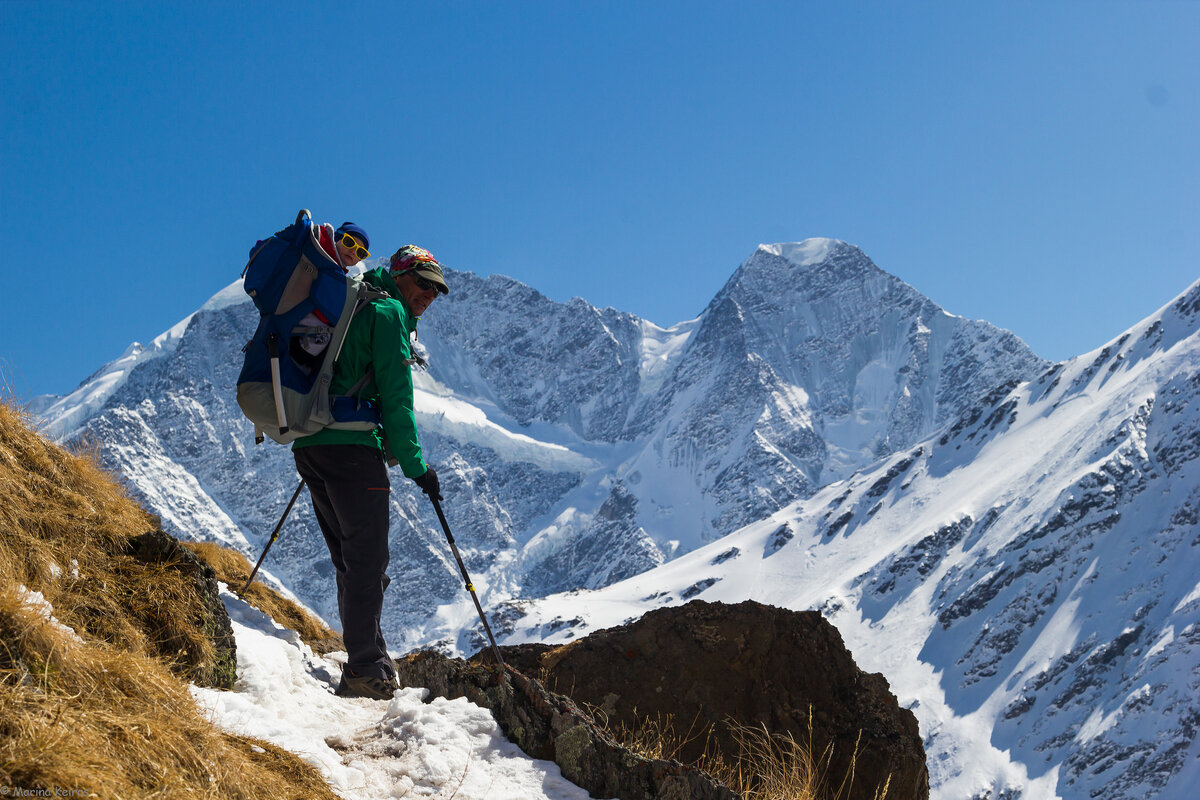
[418,276]
[352,243]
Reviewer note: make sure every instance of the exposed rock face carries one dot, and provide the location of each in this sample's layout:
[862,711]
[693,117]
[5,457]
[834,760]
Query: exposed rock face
[613,547]
[551,727]
[754,664]
[162,550]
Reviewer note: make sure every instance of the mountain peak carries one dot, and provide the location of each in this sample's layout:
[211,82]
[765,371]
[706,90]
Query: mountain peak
[807,253]
[813,268]
[233,294]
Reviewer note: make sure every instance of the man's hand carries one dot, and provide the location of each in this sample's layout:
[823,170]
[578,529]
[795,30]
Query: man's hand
[429,484]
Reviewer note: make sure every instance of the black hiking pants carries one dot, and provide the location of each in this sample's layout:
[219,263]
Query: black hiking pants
[350,488]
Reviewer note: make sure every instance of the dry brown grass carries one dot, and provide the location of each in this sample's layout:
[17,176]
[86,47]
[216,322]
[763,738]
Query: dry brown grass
[233,568]
[102,710]
[767,766]
[65,527]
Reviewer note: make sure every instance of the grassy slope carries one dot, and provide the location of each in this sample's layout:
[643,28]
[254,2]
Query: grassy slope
[96,698]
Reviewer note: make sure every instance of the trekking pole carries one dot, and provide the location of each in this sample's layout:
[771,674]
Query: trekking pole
[470,587]
[271,541]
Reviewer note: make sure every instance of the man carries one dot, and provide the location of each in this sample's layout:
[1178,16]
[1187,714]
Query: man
[346,471]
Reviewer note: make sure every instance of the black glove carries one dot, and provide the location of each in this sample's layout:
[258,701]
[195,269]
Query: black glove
[429,484]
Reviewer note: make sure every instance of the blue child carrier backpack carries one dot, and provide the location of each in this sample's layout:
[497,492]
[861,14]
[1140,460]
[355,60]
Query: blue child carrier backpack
[283,387]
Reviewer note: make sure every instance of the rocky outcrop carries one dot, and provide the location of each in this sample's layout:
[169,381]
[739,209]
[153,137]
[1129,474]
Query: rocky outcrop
[551,727]
[754,665]
[220,670]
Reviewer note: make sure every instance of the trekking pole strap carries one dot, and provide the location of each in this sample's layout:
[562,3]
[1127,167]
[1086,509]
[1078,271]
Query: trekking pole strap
[437,506]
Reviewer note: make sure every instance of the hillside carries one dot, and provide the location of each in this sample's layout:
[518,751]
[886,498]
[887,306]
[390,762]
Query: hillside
[133,671]
[99,646]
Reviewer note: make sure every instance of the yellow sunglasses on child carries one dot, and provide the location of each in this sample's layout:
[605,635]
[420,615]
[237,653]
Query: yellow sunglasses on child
[349,243]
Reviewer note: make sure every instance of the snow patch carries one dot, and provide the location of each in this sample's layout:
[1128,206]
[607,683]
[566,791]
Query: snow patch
[1191,597]
[443,413]
[366,749]
[232,295]
[38,604]
[807,253]
[661,348]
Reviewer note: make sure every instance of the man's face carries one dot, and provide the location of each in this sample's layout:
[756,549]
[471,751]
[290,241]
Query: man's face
[417,292]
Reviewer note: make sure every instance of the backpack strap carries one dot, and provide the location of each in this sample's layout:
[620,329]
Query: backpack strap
[366,294]
[276,385]
[360,384]
[362,408]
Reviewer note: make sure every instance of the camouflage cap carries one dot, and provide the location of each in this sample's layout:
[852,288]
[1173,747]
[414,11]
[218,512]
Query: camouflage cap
[419,261]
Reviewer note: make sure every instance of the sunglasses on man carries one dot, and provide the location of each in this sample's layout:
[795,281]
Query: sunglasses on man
[350,243]
[424,284]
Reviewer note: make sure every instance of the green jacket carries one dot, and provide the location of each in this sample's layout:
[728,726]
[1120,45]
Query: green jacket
[380,336]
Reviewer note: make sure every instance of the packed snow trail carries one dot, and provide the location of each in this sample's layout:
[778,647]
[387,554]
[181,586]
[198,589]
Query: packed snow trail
[369,748]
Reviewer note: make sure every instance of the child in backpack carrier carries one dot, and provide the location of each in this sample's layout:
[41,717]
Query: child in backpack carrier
[347,246]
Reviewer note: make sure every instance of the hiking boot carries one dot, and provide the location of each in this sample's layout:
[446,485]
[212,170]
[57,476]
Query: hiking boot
[371,686]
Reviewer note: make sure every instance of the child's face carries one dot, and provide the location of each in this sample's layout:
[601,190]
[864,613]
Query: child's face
[348,254]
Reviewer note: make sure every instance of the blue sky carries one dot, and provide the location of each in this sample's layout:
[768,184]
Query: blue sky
[1030,163]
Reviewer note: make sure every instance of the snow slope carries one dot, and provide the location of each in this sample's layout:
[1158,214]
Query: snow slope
[1026,577]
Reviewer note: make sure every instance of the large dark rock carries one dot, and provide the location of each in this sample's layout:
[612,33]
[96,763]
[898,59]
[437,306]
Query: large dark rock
[161,550]
[551,727]
[751,663]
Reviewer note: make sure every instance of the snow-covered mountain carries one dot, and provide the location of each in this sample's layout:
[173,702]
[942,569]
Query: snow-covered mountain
[577,446]
[1013,543]
[1027,577]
